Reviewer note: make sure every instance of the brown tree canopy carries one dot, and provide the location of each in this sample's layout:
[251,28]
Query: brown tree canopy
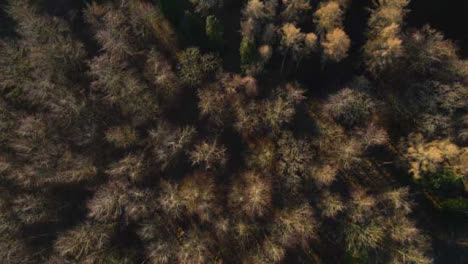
[224,131]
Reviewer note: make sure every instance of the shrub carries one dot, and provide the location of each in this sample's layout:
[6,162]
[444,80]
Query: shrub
[457,205]
[444,181]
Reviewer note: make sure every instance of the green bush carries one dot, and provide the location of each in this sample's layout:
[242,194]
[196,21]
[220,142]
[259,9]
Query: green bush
[214,31]
[192,28]
[456,205]
[443,182]
[172,9]
[350,107]
[248,53]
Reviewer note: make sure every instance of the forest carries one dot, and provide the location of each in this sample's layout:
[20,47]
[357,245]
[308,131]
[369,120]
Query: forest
[233,131]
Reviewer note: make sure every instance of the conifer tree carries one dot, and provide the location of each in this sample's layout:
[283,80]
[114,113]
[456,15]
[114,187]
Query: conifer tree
[214,30]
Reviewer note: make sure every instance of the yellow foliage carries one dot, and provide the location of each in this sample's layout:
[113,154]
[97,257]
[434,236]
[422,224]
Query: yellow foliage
[328,16]
[336,45]
[251,193]
[431,156]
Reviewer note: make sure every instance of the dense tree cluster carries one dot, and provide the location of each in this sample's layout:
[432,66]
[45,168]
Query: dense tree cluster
[125,139]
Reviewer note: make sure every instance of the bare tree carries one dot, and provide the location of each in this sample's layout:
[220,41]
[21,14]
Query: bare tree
[209,155]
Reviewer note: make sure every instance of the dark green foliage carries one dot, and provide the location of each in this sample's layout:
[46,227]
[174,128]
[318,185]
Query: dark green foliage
[214,31]
[444,182]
